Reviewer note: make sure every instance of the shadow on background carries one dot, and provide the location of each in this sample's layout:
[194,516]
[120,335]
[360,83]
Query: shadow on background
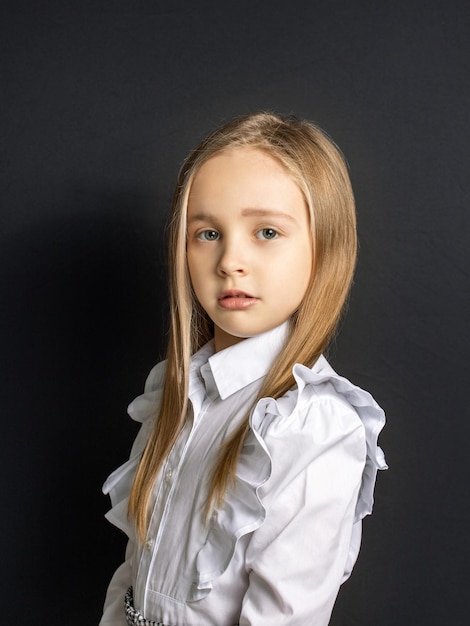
[81,296]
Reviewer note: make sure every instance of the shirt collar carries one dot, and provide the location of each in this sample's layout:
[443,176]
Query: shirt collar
[243,363]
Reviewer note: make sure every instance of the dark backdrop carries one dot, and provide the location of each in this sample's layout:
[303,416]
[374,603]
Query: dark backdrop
[100,102]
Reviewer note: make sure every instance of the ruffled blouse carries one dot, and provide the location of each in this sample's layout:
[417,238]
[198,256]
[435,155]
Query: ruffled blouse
[289,530]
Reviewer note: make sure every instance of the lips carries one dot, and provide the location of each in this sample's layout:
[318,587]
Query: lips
[233,299]
[234,293]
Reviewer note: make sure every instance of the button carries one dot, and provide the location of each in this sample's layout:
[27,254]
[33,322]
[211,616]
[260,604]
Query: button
[149,544]
[168,475]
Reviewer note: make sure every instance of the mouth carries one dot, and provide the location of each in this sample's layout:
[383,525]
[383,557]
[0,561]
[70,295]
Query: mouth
[233,299]
[234,293]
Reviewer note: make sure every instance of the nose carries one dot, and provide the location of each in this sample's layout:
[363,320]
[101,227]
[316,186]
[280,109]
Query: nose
[232,260]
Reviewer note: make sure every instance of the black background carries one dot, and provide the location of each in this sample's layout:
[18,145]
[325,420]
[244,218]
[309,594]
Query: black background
[100,103]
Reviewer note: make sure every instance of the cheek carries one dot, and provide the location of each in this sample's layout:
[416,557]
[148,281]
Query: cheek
[299,288]
[197,274]
[192,265]
[297,272]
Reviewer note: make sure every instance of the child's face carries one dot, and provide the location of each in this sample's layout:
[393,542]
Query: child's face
[249,244]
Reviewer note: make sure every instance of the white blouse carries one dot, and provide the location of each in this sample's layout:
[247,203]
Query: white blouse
[289,530]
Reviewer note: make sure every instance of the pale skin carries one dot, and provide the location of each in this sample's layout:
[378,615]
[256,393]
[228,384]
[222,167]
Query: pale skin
[249,245]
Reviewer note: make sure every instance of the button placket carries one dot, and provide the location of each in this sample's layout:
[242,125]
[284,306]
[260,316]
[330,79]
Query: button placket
[158,526]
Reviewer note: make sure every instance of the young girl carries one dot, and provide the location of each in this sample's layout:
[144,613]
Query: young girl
[255,462]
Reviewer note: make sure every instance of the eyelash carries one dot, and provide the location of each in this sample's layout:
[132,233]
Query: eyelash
[203,234]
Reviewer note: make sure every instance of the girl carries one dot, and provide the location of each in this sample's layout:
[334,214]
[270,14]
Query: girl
[255,462]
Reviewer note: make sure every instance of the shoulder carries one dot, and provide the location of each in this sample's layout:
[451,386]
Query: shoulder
[144,406]
[156,377]
[319,398]
[313,419]
[324,416]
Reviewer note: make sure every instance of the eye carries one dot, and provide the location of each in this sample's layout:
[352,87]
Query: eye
[267,233]
[208,235]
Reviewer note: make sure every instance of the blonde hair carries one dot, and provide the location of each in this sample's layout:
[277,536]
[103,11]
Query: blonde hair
[318,167]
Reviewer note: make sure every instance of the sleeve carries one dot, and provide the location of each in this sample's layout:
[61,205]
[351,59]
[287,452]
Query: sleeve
[298,557]
[113,610]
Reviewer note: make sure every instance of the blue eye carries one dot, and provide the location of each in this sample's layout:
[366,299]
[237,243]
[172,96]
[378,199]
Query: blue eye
[208,235]
[267,233]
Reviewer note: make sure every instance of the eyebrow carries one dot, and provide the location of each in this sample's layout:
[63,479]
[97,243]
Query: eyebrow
[202,217]
[267,213]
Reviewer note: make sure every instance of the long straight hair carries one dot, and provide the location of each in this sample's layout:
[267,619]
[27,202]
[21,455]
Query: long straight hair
[318,167]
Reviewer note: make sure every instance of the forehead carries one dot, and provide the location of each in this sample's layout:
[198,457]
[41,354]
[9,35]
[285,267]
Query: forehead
[244,175]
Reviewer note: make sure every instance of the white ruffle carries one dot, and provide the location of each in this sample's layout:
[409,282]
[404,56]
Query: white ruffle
[242,511]
[119,484]
[370,414]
